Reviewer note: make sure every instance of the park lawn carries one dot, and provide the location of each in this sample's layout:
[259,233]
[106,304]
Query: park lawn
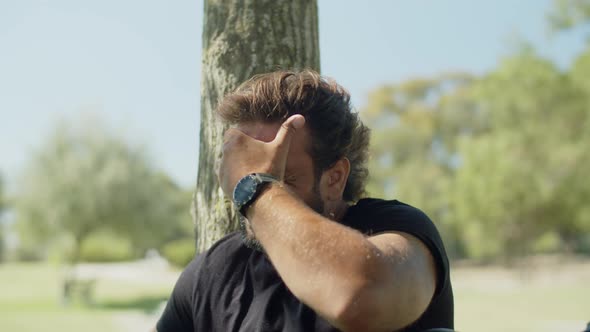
[549,298]
[30,301]
[531,309]
[487,299]
[57,320]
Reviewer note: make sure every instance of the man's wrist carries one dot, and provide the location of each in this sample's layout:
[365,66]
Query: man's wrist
[263,188]
[249,188]
[271,189]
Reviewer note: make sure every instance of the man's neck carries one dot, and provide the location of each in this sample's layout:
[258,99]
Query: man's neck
[337,211]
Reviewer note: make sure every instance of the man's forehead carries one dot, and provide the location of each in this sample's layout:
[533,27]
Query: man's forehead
[267,132]
[261,131]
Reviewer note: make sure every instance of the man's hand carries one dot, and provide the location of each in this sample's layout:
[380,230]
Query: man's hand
[243,155]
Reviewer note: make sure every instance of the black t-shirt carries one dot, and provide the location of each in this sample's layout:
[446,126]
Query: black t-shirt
[234,288]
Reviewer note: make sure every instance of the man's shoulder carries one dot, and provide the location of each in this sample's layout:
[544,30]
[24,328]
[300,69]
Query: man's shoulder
[221,251]
[378,215]
[231,241]
[393,210]
[373,216]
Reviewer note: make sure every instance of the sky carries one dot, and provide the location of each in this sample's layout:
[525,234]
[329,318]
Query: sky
[136,63]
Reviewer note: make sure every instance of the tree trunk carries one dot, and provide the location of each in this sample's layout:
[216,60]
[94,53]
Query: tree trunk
[242,38]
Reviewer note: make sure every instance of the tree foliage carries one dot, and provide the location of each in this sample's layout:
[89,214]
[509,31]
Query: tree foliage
[414,153]
[2,207]
[499,161]
[525,177]
[567,14]
[2,198]
[86,179]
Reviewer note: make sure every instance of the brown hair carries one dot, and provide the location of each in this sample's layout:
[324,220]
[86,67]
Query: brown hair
[336,130]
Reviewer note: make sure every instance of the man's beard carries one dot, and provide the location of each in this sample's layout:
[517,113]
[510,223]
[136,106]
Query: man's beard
[248,235]
[249,238]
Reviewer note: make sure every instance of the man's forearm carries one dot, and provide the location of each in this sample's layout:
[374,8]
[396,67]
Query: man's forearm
[325,264]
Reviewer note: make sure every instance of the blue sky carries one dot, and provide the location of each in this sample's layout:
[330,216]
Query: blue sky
[136,63]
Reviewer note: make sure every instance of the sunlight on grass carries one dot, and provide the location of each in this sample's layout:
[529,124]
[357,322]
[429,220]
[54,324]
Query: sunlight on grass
[550,297]
[56,320]
[31,301]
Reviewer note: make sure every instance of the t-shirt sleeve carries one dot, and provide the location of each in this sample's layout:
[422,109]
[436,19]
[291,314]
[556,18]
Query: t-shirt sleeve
[387,216]
[177,316]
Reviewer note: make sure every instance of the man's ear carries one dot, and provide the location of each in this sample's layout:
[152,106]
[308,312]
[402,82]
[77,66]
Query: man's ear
[333,180]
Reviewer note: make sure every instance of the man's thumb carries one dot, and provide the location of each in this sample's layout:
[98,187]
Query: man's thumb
[290,125]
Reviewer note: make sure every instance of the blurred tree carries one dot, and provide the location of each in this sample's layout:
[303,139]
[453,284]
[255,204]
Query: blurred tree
[2,199]
[2,206]
[525,175]
[414,155]
[580,72]
[498,161]
[86,179]
[567,14]
[241,39]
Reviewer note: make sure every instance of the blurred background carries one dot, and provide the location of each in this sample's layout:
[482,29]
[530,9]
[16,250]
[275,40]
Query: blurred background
[480,114]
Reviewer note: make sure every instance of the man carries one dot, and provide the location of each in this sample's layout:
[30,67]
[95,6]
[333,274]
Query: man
[313,255]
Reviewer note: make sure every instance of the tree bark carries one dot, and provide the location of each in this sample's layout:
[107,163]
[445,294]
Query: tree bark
[242,38]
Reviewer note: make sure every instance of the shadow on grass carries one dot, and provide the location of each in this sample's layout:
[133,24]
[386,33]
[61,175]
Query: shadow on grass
[147,304]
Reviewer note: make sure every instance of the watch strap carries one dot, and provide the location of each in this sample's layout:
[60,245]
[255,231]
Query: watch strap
[261,180]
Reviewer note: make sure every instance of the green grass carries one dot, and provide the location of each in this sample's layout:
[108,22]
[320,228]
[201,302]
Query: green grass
[30,301]
[554,297]
[551,298]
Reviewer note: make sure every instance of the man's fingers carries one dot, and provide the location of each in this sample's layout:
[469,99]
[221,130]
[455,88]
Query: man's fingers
[290,125]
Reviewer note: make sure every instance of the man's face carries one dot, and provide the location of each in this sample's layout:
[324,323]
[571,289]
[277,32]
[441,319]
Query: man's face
[299,172]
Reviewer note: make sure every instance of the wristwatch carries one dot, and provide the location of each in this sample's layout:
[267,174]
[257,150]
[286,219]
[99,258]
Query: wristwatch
[248,188]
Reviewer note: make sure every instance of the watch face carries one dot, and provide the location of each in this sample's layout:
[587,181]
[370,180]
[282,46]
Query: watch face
[245,190]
